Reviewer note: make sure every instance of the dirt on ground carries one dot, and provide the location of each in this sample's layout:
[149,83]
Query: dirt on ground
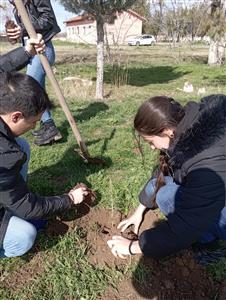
[175,278]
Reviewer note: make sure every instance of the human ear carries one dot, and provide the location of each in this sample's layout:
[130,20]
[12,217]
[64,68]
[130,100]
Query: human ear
[16,116]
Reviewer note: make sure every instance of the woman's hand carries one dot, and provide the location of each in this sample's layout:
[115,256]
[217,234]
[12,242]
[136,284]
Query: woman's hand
[122,247]
[14,34]
[35,46]
[77,195]
[135,219]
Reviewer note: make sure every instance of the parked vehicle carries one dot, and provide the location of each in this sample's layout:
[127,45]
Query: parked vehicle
[145,39]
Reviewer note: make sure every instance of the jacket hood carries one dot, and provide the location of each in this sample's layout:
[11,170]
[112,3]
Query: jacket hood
[202,126]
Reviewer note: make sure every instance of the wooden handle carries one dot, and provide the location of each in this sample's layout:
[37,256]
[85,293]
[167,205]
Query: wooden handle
[49,72]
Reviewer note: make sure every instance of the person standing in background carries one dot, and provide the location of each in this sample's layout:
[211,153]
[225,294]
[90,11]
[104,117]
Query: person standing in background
[44,21]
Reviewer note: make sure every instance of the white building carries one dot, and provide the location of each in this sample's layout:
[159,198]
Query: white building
[82,29]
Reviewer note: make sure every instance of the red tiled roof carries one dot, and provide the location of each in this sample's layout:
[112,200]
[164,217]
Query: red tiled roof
[136,14]
[88,17]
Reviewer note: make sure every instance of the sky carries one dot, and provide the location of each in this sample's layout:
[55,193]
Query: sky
[61,14]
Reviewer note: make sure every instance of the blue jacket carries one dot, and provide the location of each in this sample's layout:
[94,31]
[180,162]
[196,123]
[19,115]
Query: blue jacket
[198,162]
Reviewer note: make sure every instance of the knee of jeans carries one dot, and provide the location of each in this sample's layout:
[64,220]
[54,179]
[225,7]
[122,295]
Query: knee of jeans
[150,188]
[163,201]
[23,242]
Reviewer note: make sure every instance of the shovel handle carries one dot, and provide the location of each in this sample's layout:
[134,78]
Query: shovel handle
[49,72]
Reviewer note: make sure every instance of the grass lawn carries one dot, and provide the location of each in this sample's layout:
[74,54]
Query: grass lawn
[65,272]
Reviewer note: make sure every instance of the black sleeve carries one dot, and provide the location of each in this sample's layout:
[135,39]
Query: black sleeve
[14,60]
[16,198]
[201,200]
[45,19]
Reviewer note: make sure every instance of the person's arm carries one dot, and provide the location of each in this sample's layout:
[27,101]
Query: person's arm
[45,19]
[18,58]
[16,197]
[14,60]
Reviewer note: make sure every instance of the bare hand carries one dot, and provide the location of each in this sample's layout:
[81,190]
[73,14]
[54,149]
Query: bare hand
[37,45]
[14,34]
[135,220]
[77,195]
[119,246]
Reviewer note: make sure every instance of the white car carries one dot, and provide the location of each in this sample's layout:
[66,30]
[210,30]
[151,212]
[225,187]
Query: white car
[145,39]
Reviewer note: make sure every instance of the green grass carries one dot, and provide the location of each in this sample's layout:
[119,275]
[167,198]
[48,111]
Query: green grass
[107,129]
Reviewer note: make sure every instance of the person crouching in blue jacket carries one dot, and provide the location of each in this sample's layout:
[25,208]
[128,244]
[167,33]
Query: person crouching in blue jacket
[189,186]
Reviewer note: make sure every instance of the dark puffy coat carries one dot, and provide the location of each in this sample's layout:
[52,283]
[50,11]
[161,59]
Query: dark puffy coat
[42,17]
[15,197]
[198,161]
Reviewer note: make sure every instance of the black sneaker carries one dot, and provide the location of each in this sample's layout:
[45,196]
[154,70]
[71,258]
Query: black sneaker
[49,134]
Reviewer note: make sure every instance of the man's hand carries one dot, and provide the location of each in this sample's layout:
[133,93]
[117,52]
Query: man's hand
[13,31]
[35,46]
[77,194]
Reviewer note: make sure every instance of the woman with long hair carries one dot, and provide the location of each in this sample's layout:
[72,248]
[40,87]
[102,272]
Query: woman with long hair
[189,186]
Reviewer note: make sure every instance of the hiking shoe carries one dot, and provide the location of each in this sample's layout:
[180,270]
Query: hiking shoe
[49,134]
[39,131]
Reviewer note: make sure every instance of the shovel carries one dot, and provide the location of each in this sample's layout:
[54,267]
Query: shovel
[84,153]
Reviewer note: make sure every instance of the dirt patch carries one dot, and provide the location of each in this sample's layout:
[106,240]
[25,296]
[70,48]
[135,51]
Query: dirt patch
[99,226]
[178,277]
[175,278]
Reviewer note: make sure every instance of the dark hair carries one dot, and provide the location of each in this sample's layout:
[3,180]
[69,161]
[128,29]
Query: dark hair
[156,114]
[153,116]
[20,92]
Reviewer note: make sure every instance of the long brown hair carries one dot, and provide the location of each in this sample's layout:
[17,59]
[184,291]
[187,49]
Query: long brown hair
[153,116]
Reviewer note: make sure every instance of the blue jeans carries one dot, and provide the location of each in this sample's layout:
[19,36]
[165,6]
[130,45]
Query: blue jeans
[20,234]
[166,200]
[35,70]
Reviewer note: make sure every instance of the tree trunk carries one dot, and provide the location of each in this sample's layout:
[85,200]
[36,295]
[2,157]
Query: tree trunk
[216,52]
[221,51]
[100,58]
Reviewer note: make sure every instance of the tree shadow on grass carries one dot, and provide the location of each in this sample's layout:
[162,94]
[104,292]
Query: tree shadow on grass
[150,75]
[83,114]
[80,115]
[218,80]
